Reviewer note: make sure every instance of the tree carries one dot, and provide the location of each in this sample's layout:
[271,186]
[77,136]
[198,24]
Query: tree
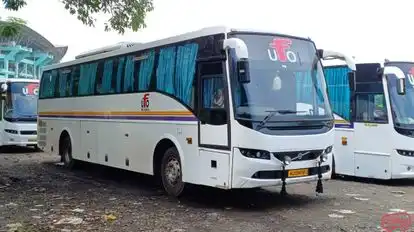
[11,27]
[124,14]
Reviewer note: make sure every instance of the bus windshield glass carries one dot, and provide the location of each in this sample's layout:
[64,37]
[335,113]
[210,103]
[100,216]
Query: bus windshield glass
[286,81]
[402,105]
[21,101]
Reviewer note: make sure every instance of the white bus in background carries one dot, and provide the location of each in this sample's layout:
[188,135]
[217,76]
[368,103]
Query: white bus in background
[18,125]
[374,135]
[217,107]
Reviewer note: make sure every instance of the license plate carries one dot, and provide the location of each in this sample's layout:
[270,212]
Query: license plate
[32,140]
[298,172]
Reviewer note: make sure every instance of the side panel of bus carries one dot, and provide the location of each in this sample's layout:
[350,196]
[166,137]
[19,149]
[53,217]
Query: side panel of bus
[118,110]
[361,139]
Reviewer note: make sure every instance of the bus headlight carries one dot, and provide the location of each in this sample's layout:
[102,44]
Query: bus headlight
[287,160]
[255,154]
[328,150]
[324,157]
[405,152]
[10,131]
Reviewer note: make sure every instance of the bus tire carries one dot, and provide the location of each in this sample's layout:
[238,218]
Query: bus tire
[333,174]
[66,152]
[171,173]
[37,148]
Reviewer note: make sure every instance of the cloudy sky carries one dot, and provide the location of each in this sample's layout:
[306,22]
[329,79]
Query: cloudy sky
[368,31]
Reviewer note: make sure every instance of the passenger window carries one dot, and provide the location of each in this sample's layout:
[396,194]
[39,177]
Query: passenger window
[213,94]
[146,70]
[119,74]
[129,80]
[86,85]
[371,108]
[75,80]
[64,83]
[99,79]
[46,85]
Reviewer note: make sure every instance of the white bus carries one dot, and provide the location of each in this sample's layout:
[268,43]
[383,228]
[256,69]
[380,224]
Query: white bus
[374,129]
[217,107]
[18,112]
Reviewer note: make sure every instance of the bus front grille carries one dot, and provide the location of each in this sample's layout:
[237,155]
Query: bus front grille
[298,155]
[28,132]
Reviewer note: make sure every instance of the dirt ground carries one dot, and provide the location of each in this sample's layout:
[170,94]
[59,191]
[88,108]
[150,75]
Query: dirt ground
[37,194]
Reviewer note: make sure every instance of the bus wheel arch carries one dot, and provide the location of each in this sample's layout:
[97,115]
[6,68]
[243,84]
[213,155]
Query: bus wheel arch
[168,165]
[65,149]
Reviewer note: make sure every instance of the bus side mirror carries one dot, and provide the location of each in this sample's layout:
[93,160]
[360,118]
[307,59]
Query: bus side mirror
[351,80]
[242,57]
[3,87]
[401,86]
[400,77]
[243,72]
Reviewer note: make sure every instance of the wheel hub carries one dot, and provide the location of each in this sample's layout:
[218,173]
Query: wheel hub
[172,171]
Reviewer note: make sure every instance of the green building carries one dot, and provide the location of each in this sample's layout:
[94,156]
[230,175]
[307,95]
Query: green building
[24,56]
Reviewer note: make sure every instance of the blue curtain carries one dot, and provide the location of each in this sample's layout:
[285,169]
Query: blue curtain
[210,86]
[338,90]
[119,73]
[305,91]
[184,71]
[83,80]
[165,70]
[48,84]
[129,75]
[70,83]
[92,77]
[87,79]
[52,83]
[63,80]
[107,76]
[145,71]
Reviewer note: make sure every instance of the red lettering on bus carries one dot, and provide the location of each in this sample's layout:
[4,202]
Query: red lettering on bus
[281,46]
[145,102]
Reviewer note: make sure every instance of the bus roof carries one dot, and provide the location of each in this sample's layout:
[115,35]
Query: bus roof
[133,47]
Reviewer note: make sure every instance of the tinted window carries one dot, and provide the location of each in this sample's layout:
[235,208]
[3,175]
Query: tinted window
[371,108]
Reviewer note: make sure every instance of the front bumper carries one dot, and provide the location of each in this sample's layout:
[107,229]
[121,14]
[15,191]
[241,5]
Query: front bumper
[20,140]
[254,173]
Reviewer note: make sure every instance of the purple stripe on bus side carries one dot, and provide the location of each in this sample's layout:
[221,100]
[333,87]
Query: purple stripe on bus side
[122,117]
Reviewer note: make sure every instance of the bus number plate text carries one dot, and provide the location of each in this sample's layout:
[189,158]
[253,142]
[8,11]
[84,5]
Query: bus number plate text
[298,172]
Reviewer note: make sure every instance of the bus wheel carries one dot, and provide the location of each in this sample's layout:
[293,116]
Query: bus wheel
[37,149]
[66,153]
[171,174]
[333,174]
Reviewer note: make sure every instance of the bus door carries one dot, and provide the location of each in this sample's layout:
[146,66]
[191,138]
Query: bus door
[213,124]
[371,125]
[213,107]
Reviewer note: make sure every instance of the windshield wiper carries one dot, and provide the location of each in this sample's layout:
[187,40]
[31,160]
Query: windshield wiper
[273,113]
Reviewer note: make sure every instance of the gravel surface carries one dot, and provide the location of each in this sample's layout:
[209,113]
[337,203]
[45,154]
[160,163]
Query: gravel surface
[38,194]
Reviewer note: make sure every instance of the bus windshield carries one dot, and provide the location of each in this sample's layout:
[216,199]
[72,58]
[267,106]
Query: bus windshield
[402,106]
[286,78]
[21,101]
